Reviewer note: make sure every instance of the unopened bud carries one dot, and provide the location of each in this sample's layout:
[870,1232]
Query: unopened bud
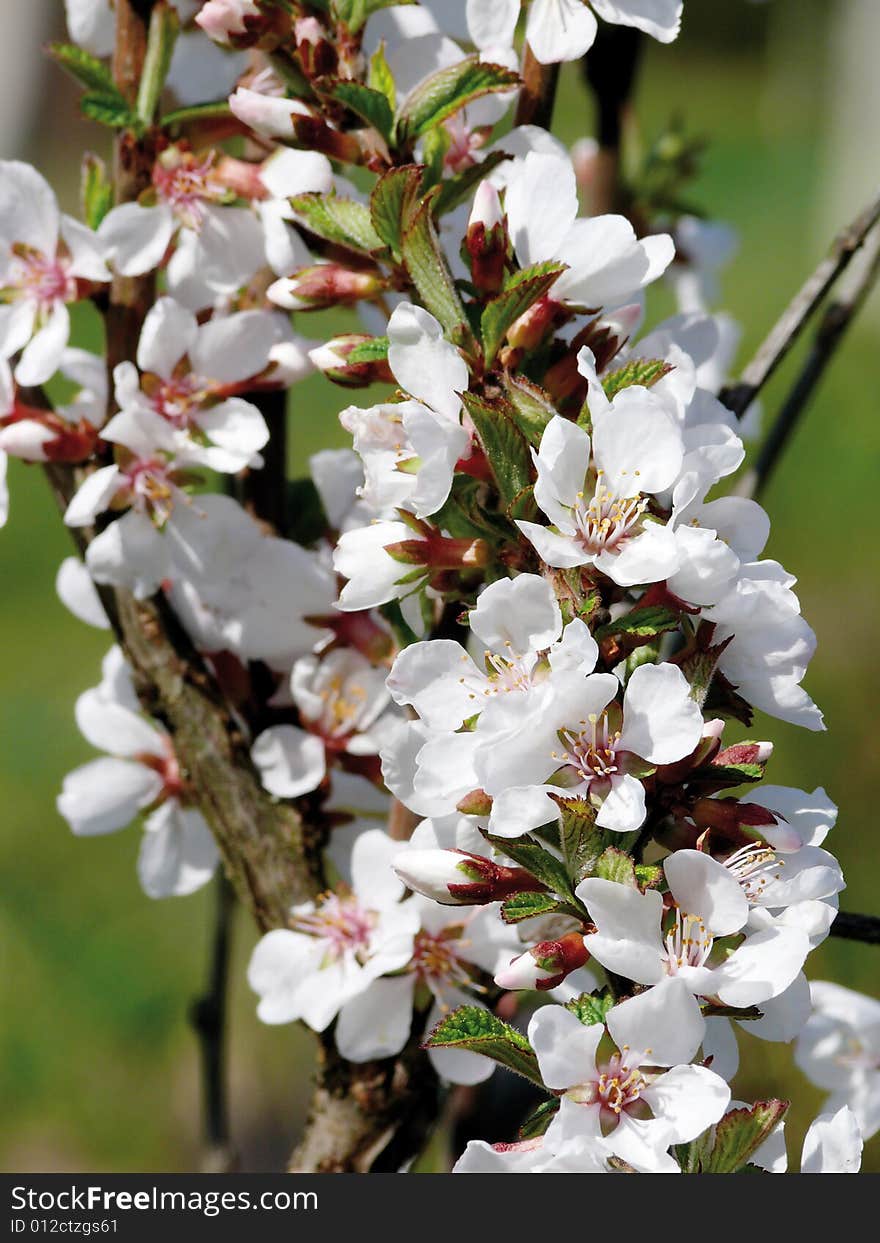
[439,552]
[316,53]
[486,241]
[325,285]
[456,878]
[527,332]
[332,357]
[545,965]
[244,23]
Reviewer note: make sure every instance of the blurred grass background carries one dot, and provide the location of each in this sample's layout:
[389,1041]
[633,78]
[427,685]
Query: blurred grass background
[98,1066]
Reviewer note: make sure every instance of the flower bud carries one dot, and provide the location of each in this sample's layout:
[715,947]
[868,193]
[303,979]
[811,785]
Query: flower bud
[325,285]
[527,332]
[316,53]
[545,965]
[331,358]
[243,23]
[486,240]
[456,878]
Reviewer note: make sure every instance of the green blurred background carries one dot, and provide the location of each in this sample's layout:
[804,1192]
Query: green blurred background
[98,1066]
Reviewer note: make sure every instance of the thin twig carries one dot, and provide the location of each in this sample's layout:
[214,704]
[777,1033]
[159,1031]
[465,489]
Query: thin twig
[209,1021]
[835,321]
[864,928]
[610,69]
[538,92]
[738,397]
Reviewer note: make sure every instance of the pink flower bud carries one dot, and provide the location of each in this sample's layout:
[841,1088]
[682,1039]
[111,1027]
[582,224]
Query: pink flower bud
[455,878]
[545,965]
[331,357]
[486,240]
[324,285]
[221,20]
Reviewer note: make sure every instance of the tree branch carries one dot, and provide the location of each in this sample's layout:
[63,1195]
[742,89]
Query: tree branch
[209,1021]
[738,397]
[537,94]
[833,326]
[850,927]
[610,69]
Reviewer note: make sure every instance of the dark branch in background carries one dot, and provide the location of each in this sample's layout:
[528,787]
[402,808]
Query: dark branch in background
[835,321]
[610,69]
[849,927]
[538,92]
[209,1021]
[263,493]
[738,397]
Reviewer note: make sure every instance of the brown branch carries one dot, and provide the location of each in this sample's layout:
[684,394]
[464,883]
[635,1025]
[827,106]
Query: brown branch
[610,69]
[537,94]
[209,1021]
[738,397]
[833,326]
[850,927]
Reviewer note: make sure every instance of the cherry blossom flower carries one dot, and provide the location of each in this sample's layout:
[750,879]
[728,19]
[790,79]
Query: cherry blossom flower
[45,257]
[839,1051]
[336,947]
[177,854]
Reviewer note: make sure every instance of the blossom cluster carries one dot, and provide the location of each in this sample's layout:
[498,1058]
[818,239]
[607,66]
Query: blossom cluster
[527,610]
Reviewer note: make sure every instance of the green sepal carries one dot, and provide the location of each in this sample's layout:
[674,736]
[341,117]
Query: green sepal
[740,1134]
[475,1030]
[614,864]
[642,371]
[96,190]
[373,351]
[539,862]
[591,1008]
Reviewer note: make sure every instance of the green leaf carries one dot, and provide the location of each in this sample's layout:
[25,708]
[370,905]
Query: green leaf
[372,351]
[90,72]
[538,1121]
[380,77]
[161,37]
[532,407]
[524,288]
[354,13]
[640,624]
[342,221]
[455,190]
[109,108]
[643,371]
[740,1133]
[649,876]
[591,1008]
[538,862]
[443,93]
[196,112]
[371,106]
[476,1030]
[96,190]
[504,445]
[463,516]
[426,265]
[393,201]
[616,865]
[527,905]
[581,841]
[435,145]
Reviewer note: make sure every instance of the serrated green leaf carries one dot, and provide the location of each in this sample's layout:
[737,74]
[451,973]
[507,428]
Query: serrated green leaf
[614,864]
[90,72]
[524,288]
[380,78]
[96,190]
[727,776]
[435,146]
[649,876]
[342,221]
[532,407]
[109,109]
[538,1121]
[538,862]
[591,1008]
[463,516]
[428,271]
[369,351]
[504,445]
[455,190]
[641,623]
[527,905]
[393,202]
[371,106]
[476,1030]
[740,1133]
[581,841]
[443,93]
[643,371]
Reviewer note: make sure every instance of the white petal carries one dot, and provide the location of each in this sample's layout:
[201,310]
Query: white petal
[559,551]
[106,795]
[628,937]
[28,208]
[659,18]
[661,723]
[562,461]
[518,615]
[169,332]
[234,348]
[648,558]
[439,680]
[136,237]
[559,30]
[702,886]
[92,497]
[178,855]
[623,808]
[280,962]
[376,1024]
[541,203]
[520,809]
[689,1099]
[86,251]
[373,878]
[663,1023]
[565,1047]
[762,967]
[637,444]
[130,553]
[290,761]
[833,1145]
[116,729]
[42,354]
[76,591]
[424,364]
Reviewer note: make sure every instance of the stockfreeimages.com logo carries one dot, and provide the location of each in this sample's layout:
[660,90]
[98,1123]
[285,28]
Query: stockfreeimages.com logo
[96,1199]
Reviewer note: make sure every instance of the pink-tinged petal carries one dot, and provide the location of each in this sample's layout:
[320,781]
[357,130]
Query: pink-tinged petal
[136,237]
[106,795]
[169,333]
[663,1025]
[565,1047]
[376,1024]
[702,886]
[290,761]
[661,723]
[178,855]
[42,354]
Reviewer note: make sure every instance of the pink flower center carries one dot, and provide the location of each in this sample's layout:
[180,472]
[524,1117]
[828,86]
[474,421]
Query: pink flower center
[591,750]
[341,922]
[616,1087]
[148,481]
[605,521]
[436,959]
[175,398]
[463,143]
[43,280]
[688,944]
[754,867]
[186,185]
